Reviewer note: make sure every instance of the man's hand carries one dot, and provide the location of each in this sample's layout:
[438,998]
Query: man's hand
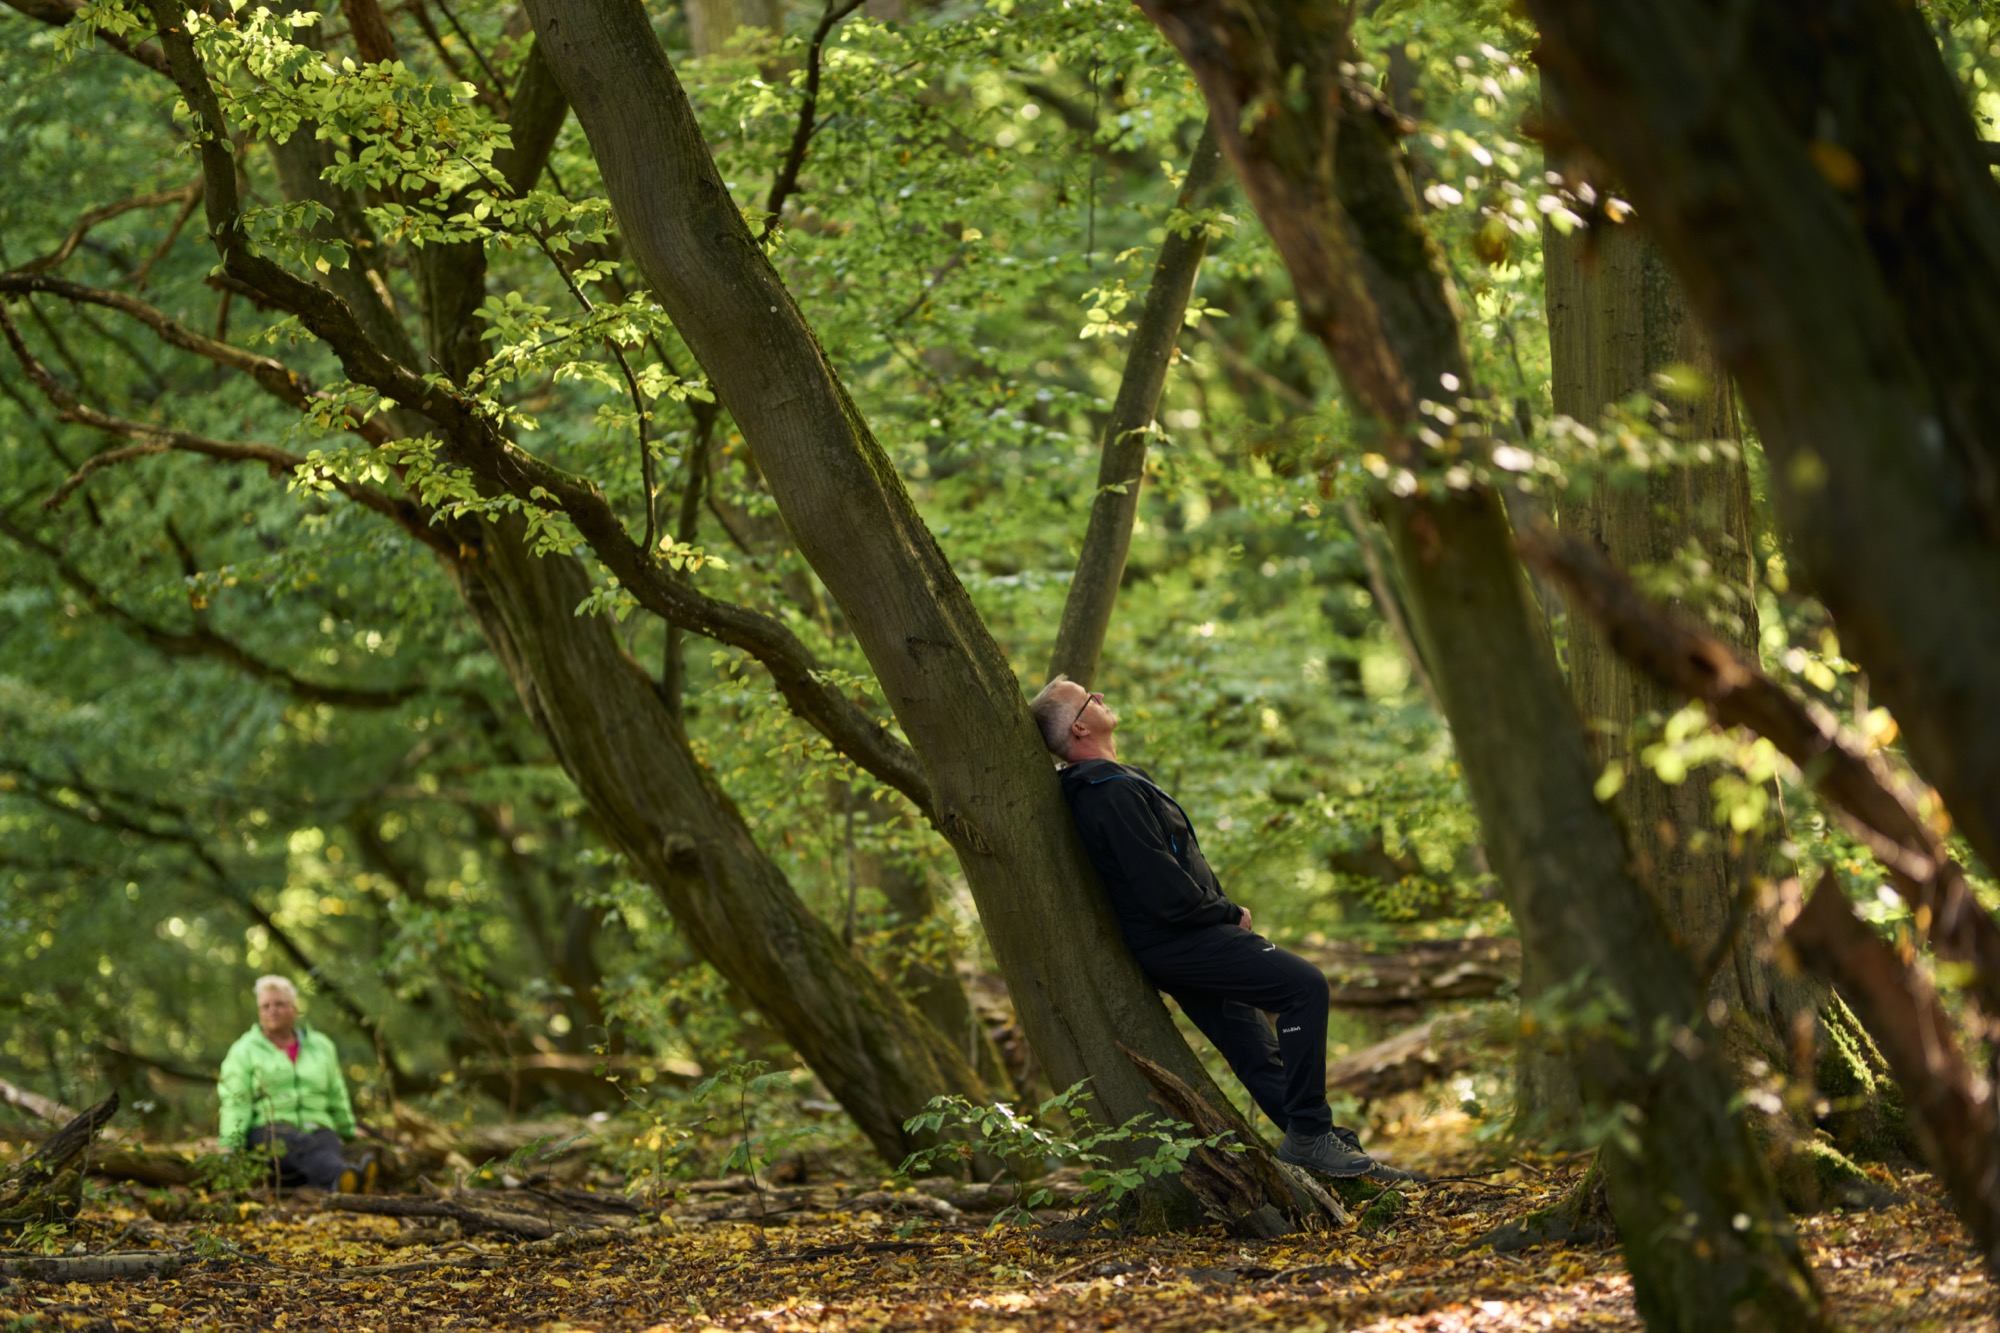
[1245,921]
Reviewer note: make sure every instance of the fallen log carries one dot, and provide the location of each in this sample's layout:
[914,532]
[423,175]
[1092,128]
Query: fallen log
[1417,972]
[157,1169]
[29,1190]
[92,1267]
[42,1108]
[1237,1189]
[1432,1050]
[1951,1107]
[506,1221]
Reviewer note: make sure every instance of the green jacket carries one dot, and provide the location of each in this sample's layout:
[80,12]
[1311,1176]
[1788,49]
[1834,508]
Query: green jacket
[261,1086]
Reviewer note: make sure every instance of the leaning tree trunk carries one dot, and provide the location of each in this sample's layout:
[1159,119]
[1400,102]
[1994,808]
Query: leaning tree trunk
[1813,175]
[627,753]
[680,833]
[1076,990]
[1708,1242]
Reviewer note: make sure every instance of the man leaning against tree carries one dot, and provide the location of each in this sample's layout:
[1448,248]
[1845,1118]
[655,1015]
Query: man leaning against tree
[1194,943]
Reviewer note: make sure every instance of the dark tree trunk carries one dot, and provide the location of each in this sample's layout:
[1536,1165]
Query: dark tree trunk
[628,755]
[1317,158]
[1076,990]
[1812,173]
[681,834]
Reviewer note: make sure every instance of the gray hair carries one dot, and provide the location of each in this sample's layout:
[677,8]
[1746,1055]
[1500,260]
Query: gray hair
[283,985]
[1050,715]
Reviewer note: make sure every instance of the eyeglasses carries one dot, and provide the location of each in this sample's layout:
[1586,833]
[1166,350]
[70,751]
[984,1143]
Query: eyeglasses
[1086,704]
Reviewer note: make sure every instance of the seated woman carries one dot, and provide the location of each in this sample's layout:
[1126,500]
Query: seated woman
[282,1090]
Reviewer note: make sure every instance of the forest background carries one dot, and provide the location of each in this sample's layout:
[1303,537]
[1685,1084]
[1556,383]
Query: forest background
[261,708]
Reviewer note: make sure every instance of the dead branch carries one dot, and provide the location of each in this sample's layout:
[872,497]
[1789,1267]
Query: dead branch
[1418,972]
[27,1186]
[1952,1108]
[1239,1190]
[504,1220]
[93,1267]
[43,1108]
[1408,1060]
[1862,789]
[104,213]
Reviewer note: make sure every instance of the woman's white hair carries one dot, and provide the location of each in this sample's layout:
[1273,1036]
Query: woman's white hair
[282,985]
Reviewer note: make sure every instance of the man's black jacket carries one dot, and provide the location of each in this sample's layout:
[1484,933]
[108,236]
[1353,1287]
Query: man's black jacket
[1145,852]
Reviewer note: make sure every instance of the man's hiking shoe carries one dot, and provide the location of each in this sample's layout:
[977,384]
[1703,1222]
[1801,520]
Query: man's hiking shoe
[1381,1172]
[1334,1154]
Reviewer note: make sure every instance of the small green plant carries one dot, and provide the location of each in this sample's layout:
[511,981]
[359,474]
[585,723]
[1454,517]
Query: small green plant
[229,1173]
[42,1237]
[757,1146]
[541,1148]
[669,1136]
[1030,1143]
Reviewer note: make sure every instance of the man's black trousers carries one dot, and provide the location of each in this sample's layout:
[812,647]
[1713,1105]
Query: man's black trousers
[1225,980]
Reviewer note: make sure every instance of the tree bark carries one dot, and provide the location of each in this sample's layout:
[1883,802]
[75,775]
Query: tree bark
[1107,539]
[1317,158]
[1076,989]
[681,834]
[711,23]
[1951,1107]
[631,761]
[1617,319]
[1813,175]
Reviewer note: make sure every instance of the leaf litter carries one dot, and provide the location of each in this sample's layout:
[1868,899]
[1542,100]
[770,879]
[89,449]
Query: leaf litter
[856,1255]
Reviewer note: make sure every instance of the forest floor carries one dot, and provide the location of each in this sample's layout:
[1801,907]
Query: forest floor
[841,1255]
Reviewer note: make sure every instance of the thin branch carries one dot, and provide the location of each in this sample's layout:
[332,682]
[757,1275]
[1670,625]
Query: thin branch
[1860,786]
[673,668]
[1107,538]
[1950,1107]
[274,376]
[786,183]
[159,440]
[101,807]
[60,13]
[185,195]
[499,467]
[202,641]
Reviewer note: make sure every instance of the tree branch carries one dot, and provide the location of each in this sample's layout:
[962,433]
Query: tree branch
[786,182]
[201,641]
[1107,538]
[60,13]
[1951,1108]
[186,194]
[159,440]
[283,383]
[1859,786]
[499,467]
[102,808]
